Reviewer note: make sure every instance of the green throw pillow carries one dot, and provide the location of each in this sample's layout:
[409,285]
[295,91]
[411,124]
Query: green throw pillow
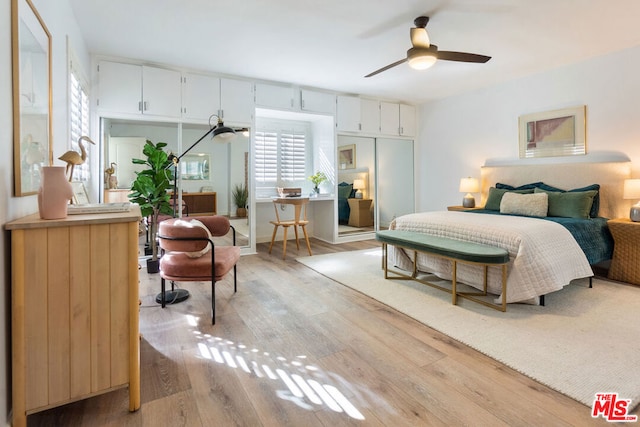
[344,190]
[495,197]
[574,204]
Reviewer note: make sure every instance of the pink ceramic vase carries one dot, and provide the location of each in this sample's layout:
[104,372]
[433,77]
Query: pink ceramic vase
[54,193]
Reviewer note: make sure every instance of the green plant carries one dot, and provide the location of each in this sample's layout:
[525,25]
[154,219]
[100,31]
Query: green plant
[149,189]
[318,178]
[240,195]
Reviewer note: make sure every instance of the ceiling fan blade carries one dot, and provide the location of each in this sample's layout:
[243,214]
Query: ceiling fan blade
[386,68]
[462,56]
[419,37]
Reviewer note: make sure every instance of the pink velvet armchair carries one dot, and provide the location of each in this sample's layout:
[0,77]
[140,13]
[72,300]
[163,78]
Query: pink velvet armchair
[190,254]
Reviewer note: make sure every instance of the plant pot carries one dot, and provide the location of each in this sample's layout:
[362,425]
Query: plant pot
[241,212]
[153,266]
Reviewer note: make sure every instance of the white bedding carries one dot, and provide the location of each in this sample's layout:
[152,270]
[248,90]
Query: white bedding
[544,257]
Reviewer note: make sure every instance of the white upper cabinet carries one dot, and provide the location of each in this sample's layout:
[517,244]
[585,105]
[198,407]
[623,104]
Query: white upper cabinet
[407,120]
[348,113]
[203,96]
[236,100]
[317,102]
[161,92]
[356,114]
[120,87]
[397,119]
[369,116]
[389,118]
[275,96]
[200,96]
[137,89]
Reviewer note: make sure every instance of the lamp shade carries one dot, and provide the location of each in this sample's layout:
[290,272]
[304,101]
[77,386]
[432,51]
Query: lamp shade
[631,189]
[358,184]
[469,185]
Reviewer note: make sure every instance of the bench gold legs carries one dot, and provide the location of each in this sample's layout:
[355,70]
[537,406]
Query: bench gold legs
[394,274]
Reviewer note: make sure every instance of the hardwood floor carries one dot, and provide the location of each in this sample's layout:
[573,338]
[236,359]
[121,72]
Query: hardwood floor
[293,348]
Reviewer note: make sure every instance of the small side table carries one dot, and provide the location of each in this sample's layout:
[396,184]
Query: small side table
[625,264]
[360,212]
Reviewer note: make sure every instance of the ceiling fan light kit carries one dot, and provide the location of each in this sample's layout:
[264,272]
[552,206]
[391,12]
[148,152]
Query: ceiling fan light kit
[423,54]
[420,58]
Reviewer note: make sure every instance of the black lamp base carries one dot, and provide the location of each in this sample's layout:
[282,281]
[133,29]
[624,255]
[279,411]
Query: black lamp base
[173,297]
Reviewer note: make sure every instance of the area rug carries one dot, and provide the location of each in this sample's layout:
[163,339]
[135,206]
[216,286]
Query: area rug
[582,342]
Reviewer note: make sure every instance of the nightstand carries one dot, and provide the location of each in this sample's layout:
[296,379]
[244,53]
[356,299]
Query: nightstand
[625,264]
[360,212]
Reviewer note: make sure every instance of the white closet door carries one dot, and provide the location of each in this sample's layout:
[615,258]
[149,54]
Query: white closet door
[394,175]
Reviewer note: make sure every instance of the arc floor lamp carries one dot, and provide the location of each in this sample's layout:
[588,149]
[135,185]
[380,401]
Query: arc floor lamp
[220,133]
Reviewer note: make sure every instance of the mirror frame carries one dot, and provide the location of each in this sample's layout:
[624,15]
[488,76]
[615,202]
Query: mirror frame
[27,120]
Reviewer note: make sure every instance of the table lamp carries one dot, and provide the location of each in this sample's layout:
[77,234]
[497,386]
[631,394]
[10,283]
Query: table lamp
[469,185]
[358,184]
[632,191]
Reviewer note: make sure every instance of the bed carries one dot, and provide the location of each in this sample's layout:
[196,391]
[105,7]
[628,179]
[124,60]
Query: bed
[547,251]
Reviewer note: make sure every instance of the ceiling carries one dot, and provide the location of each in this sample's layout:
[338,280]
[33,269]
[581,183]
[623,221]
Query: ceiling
[332,44]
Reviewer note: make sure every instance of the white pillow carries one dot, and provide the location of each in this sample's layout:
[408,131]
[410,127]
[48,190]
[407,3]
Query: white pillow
[525,204]
[195,223]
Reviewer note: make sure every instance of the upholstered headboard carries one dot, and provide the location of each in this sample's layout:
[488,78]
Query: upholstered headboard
[610,176]
[349,176]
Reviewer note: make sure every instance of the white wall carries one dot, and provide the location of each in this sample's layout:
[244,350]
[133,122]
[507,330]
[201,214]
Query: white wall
[458,134]
[60,22]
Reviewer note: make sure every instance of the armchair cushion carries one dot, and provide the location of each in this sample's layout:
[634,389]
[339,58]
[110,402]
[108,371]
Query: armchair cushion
[179,267]
[185,229]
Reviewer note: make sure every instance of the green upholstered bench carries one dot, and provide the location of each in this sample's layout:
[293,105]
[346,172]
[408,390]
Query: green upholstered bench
[451,249]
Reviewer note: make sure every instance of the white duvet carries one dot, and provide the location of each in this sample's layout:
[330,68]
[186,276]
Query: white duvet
[544,256]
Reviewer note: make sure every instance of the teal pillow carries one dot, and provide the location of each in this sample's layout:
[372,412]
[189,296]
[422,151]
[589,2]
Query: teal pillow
[344,190]
[573,204]
[595,207]
[495,197]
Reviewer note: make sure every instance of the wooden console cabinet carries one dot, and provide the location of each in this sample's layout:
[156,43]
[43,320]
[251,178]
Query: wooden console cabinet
[201,203]
[74,308]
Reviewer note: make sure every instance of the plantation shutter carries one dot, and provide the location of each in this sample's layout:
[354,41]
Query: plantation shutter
[266,145]
[292,156]
[79,122]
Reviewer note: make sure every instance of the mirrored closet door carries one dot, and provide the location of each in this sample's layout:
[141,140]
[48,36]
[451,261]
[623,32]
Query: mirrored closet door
[356,185]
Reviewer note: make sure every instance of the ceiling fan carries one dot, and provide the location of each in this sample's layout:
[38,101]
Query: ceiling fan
[423,54]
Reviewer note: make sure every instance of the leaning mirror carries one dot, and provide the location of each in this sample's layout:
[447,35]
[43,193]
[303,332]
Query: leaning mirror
[31,50]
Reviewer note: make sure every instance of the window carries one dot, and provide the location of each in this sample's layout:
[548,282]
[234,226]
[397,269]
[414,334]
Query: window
[281,153]
[79,119]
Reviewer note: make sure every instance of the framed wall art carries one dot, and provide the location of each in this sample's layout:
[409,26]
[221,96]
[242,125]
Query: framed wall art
[31,57]
[347,156]
[553,133]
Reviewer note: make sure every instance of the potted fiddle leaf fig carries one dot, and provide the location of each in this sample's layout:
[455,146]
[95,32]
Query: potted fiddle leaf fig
[240,196]
[149,191]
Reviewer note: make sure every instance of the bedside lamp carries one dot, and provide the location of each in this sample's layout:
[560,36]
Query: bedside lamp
[632,191]
[469,185]
[358,184]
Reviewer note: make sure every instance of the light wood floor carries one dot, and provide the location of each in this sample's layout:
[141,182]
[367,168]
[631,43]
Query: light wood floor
[288,328]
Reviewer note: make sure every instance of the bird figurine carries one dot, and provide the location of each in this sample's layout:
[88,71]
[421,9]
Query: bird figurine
[74,158]
[112,181]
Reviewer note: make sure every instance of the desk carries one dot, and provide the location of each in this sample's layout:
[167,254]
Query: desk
[298,203]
